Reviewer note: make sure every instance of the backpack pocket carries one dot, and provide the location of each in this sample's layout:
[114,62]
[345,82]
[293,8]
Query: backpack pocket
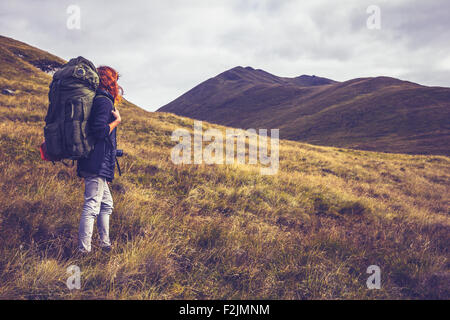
[74,133]
[53,139]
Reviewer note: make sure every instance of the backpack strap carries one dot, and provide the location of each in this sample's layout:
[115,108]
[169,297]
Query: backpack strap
[118,167]
[100,95]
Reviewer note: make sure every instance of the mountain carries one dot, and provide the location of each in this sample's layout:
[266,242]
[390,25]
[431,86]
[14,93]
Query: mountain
[380,114]
[214,231]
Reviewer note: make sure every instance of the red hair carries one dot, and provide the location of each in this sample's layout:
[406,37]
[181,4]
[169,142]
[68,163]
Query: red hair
[108,82]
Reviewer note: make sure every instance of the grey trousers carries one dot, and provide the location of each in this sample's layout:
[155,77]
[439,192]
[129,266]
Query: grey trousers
[98,203]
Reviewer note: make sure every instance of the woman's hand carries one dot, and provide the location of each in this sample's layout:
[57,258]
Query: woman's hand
[116,122]
[116,115]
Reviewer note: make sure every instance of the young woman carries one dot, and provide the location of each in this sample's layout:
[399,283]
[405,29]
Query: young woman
[98,169]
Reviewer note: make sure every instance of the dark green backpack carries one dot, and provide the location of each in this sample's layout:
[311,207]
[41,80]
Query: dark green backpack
[71,95]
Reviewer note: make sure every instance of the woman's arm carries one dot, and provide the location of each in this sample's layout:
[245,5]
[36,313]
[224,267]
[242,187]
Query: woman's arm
[100,117]
[116,122]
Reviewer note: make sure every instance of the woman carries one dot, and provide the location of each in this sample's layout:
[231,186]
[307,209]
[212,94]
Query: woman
[98,169]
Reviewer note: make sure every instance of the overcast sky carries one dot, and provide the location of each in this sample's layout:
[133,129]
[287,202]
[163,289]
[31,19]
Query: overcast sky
[164,48]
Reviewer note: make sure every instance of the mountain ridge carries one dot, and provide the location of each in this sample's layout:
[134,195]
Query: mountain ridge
[250,74]
[371,113]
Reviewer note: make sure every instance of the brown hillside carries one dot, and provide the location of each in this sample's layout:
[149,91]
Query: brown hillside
[380,114]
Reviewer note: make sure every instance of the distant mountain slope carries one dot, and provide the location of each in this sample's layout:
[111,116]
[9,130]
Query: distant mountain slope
[381,114]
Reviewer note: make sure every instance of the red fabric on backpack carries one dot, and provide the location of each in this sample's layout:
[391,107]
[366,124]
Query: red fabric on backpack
[44,154]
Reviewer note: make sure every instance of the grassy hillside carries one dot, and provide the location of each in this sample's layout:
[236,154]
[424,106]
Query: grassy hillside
[378,114]
[216,231]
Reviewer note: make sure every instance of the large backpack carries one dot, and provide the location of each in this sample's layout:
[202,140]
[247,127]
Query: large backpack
[71,95]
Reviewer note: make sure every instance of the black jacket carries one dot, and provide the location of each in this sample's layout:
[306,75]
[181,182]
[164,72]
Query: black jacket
[102,159]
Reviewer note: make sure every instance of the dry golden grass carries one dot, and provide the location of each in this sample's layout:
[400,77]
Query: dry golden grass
[218,231]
